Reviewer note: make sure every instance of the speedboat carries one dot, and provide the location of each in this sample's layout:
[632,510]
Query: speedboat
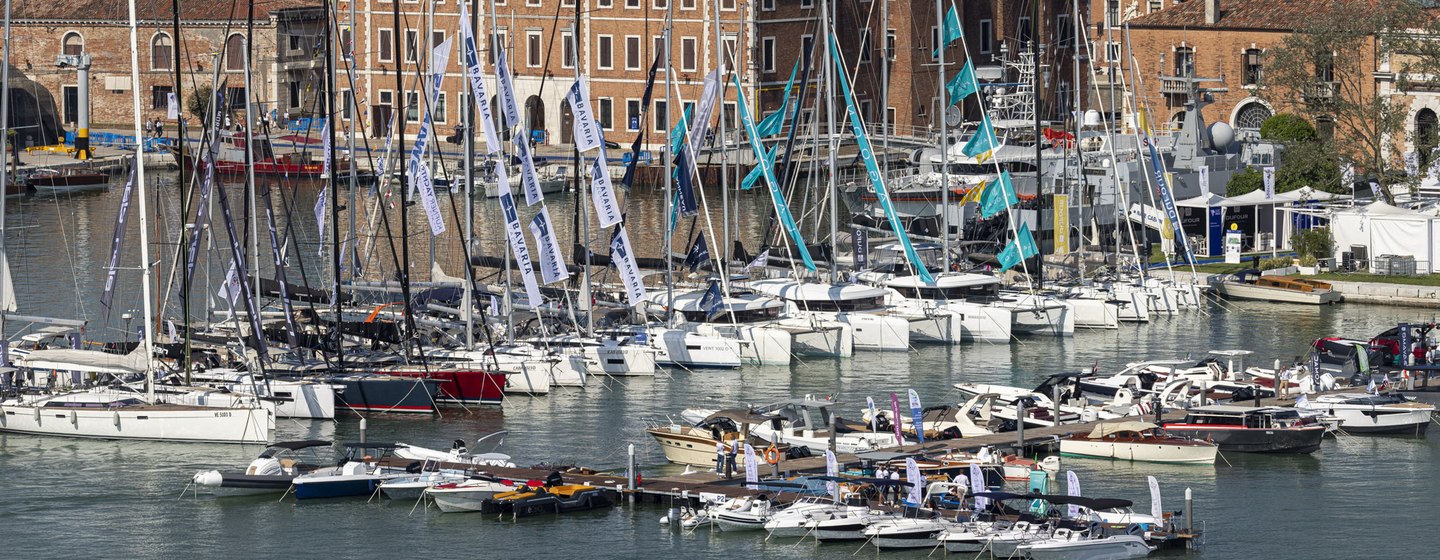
[906,532]
[1137,441]
[1066,544]
[355,476]
[846,525]
[696,444]
[413,486]
[466,495]
[271,472]
[1250,284]
[796,520]
[745,513]
[806,422]
[1249,429]
[1389,413]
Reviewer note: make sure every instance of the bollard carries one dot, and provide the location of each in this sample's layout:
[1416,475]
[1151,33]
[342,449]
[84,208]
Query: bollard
[1189,513]
[630,468]
[1020,427]
[362,430]
[1055,403]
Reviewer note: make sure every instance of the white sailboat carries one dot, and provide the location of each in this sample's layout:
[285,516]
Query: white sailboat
[105,413]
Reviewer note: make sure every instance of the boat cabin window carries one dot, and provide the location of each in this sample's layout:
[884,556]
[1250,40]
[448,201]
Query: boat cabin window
[972,169]
[1216,420]
[860,304]
[976,294]
[735,315]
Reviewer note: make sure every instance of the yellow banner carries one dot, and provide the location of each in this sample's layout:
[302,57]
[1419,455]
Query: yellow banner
[1061,205]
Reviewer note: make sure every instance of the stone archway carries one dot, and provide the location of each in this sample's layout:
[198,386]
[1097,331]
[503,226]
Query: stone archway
[534,114]
[1427,126]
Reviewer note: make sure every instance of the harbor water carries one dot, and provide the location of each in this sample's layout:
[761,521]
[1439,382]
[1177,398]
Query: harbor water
[1363,497]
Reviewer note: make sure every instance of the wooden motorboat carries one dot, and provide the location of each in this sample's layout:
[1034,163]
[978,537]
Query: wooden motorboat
[1137,441]
[68,180]
[695,445]
[1249,429]
[1249,284]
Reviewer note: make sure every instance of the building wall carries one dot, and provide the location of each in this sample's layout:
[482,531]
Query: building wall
[540,76]
[38,43]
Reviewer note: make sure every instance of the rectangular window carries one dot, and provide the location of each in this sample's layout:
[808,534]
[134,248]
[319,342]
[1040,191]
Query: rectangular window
[412,107]
[533,56]
[1024,32]
[532,2]
[1184,61]
[662,118]
[987,35]
[295,95]
[567,51]
[767,54]
[687,4]
[661,4]
[604,3]
[865,110]
[1112,52]
[807,49]
[730,44]
[1112,13]
[890,44]
[347,44]
[864,45]
[387,97]
[729,116]
[807,4]
[160,97]
[890,117]
[437,111]
[934,47]
[567,3]
[606,46]
[1254,72]
[437,38]
[632,52]
[727,5]
[1155,5]
[347,103]
[412,45]
[632,4]
[658,43]
[387,45]
[1063,31]
[767,5]
[688,60]
[161,53]
[498,40]
[632,114]
[605,112]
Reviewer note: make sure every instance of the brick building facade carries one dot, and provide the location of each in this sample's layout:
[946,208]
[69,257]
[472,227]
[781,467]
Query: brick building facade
[283,49]
[618,41]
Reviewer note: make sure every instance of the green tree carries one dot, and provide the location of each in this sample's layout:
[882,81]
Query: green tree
[1324,70]
[1288,127]
[199,103]
[1244,182]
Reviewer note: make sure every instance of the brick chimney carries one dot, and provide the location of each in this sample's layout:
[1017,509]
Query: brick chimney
[1212,12]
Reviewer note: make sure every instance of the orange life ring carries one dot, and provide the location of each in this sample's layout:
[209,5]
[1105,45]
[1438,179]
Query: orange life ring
[772,455]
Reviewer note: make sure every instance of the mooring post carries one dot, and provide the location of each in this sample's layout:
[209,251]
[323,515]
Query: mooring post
[630,472]
[1189,514]
[1020,427]
[1055,403]
[362,430]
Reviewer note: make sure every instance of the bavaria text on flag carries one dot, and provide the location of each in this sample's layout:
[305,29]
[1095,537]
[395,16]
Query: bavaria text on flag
[477,82]
[516,235]
[699,253]
[624,259]
[950,31]
[998,197]
[962,85]
[552,265]
[1019,249]
[602,192]
[713,302]
[586,131]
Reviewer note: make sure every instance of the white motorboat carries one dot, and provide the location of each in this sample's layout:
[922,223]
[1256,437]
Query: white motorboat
[1137,441]
[746,513]
[906,533]
[466,495]
[861,307]
[528,370]
[413,486]
[806,422]
[973,418]
[953,308]
[970,537]
[846,525]
[1360,413]
[297,398]
[746,318]
[796,519]
[687,348]
[271,472]
[615,357]
[1072,545]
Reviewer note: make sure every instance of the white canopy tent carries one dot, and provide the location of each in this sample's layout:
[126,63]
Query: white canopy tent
[1382,229]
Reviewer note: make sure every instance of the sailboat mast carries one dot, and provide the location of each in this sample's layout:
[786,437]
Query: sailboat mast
[582,215]
[148,338]
[184,197]
[832,144]
[326,103]
[467,296]
[1039,170]
[404,190]
[252,213]
[669,167]
[719,261]
[943,114]
[4,180]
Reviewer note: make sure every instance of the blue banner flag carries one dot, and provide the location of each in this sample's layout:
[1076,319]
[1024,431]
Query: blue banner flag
[756,173]
[950,31]
[962,85]
[713,302]
[982,141]
[699,253]
[1166,199]
[877,181]
[629,178]
[778,198]
[998,197]
[917,416]
[1019,249]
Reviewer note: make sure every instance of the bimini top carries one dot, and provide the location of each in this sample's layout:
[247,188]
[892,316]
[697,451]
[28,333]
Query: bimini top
[301,444]
[1110,428]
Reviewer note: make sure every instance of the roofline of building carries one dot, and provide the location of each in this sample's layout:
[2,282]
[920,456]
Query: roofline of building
[1155,26]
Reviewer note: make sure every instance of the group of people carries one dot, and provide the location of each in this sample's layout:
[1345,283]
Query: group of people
[155,128]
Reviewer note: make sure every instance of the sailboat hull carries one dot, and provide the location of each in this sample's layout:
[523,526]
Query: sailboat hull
[139,422]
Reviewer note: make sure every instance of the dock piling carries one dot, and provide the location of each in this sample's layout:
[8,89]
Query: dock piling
[1189,516]
[362,430]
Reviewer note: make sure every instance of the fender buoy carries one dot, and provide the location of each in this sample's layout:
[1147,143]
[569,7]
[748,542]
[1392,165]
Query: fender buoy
[772,455]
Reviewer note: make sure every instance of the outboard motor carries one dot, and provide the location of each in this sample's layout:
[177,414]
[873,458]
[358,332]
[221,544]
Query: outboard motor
[554,479]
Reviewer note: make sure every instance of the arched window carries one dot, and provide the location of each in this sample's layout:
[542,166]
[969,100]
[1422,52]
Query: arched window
[72,44]
[235,53]
[162,52]
[1425,136]
[1251,116]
